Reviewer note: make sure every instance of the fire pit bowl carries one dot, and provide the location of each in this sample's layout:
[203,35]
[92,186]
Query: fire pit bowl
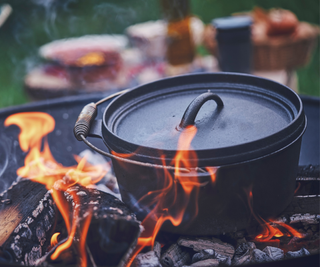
[249,136]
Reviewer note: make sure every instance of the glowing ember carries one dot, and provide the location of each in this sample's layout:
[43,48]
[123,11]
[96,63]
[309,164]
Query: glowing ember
[271,228]
[41,167]
[54,239]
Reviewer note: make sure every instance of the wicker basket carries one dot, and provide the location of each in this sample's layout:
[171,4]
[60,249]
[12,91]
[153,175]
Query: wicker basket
[281,52]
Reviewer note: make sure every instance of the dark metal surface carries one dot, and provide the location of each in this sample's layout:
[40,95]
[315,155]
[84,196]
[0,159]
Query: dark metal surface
[310,148]
[258,117]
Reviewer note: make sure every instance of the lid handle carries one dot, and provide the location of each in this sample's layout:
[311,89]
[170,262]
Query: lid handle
[192,110]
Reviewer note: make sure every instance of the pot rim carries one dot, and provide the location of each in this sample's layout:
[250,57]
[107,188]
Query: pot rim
[226,155]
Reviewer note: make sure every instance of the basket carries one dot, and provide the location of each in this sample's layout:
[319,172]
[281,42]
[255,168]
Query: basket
[275,53]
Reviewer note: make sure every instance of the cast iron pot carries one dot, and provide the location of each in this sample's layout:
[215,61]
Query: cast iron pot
[251,132]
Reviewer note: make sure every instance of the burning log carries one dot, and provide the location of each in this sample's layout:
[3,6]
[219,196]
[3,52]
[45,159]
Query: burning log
[199,244]
[26,217]
[112,229]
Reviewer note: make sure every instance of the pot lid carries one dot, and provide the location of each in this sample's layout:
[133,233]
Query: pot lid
[234,114]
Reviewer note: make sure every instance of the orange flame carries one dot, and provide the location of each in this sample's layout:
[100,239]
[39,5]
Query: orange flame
[271,229]
[178,191]
[40,166]
[54,239]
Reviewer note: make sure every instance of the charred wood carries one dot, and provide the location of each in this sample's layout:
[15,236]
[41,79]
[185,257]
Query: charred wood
[274,253]
[157,249]
[259,256]
[211,254]
[113,230]
[26,220]
[206,263]
[203,255]
[295,254]
[148,259]
[243,253]
[199,244]
[175,256]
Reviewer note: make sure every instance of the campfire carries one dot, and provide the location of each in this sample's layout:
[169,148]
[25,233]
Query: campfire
[70,222]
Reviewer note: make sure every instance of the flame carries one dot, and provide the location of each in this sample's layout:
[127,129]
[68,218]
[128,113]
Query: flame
[177,192]
[54,239]
[91,59]
[271,228]
[40,166]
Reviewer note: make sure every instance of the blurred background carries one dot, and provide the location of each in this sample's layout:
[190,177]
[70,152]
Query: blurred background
[34,23]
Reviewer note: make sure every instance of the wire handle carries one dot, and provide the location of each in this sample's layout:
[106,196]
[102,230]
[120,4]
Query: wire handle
[82,129]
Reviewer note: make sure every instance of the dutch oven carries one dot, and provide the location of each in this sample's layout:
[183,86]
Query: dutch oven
[249,128]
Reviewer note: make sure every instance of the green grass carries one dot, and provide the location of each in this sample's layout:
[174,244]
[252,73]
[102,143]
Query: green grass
[34,23]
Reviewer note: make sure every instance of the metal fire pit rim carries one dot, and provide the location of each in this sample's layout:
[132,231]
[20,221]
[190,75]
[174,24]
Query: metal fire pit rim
[52,103]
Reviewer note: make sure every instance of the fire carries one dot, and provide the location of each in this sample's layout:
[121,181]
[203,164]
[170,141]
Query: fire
[54,239]
[178,191]
[271,228]
[40,166]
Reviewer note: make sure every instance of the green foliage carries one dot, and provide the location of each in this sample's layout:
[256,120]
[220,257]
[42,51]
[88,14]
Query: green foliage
[36,22]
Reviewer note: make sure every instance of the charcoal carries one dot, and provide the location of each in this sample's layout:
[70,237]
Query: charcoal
[203,255]
[274,253]
[243,253]
[223,260]
[206,263]
[259,256]
[148,259]
[211,254]
[157,249]
[199,244]
[306,219]
[175,256]
[295,254]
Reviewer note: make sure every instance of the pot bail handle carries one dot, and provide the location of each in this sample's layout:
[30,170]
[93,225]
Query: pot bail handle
[192,110]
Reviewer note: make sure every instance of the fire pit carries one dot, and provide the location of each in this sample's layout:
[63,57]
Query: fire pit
[63,143]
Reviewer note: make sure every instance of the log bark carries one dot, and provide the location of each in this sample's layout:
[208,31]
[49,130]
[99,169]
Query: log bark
[113,230]
[27,215]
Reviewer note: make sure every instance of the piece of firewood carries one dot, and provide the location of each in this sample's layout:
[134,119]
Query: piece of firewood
[199,244]
[27,214]
[113,231]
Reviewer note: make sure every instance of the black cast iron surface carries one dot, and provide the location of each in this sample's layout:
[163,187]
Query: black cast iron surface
[63,143]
